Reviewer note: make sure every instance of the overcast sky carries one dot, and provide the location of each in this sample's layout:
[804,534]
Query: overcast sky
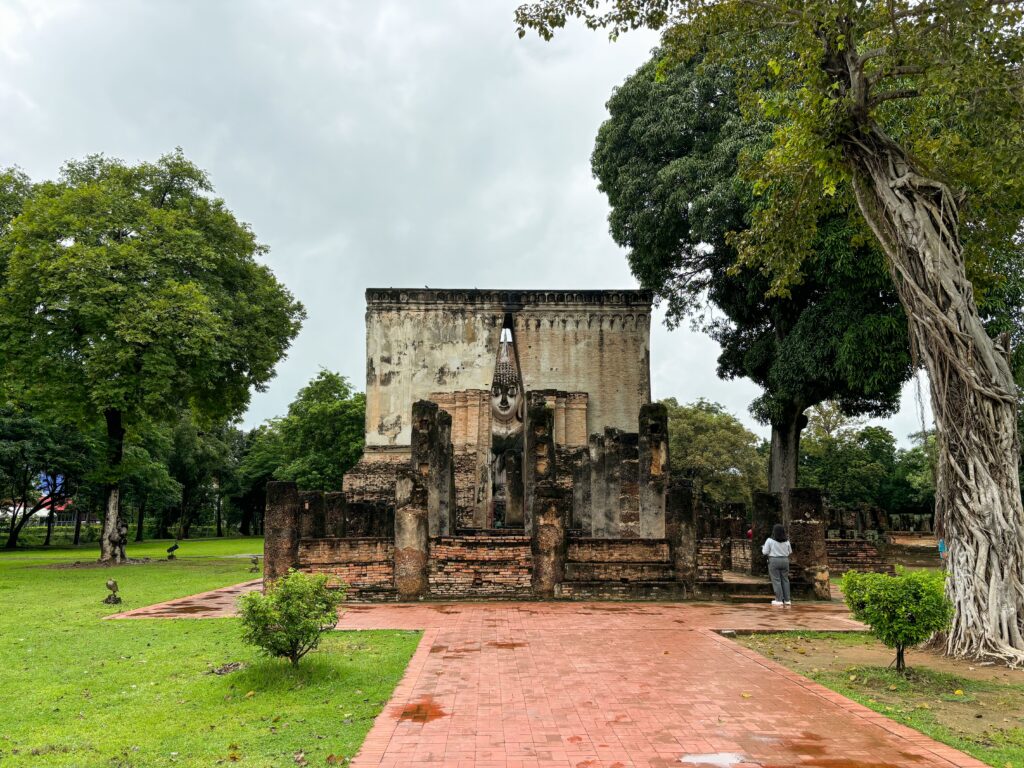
[403,143]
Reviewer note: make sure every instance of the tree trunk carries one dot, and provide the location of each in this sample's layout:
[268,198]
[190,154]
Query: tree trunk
[49,524]
[220,528]
[13,531]
[78,527]
[974,398]
[112,539]
[141,519]
[784,459]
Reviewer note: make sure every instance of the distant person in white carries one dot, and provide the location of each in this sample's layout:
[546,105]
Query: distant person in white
[778,549]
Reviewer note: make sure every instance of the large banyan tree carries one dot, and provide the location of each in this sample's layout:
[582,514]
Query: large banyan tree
[920,107]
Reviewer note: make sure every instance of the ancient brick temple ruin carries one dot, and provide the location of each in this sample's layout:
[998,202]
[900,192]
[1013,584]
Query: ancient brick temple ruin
[512,450]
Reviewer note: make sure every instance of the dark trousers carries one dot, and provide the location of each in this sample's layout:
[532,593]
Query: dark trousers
[778,570]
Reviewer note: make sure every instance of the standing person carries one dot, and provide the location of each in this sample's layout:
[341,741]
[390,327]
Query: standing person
[778,549]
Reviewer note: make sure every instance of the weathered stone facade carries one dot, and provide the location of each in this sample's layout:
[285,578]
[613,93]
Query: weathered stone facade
[512,451]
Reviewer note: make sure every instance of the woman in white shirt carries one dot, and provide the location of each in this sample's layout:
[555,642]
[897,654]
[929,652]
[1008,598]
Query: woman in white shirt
[778,549]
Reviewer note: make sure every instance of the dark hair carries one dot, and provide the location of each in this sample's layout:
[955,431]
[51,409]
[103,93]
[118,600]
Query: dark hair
[779,533]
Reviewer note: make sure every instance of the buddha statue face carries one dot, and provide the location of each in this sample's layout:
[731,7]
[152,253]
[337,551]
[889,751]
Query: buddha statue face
[505,399]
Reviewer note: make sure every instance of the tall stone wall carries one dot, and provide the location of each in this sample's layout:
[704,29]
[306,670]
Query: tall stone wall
[423,341]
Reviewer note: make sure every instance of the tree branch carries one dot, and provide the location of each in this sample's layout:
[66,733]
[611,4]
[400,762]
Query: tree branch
[901,93]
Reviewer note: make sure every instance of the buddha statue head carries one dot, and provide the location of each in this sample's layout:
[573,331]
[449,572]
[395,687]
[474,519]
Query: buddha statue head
[506,391]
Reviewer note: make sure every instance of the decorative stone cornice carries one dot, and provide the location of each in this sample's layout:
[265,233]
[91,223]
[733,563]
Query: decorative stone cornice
[506,301]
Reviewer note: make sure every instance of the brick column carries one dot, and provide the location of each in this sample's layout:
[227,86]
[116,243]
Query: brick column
[549,545]
[334,515]
[654,469]
[539,453]
[807,525]
[767,512]
[312,515]
[411,536]
[629,486]
[681,530]
[514,489]
[280,530]
[433,458]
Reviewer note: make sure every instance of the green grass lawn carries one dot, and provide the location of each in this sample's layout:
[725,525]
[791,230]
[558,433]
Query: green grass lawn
[79,691]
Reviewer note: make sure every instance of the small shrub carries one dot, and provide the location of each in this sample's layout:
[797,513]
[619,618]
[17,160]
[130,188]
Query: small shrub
[902,610]
[288,620]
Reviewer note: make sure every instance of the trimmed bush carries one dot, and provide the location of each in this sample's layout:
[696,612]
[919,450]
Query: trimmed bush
[288,619]
[902,610]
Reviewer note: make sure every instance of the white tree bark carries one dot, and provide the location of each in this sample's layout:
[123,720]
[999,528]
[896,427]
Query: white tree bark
[974,397]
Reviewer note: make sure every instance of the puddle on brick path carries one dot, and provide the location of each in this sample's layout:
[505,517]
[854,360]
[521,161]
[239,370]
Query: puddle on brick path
[717,759]
[507,644]
[170,610]
[423,711]
[814,746]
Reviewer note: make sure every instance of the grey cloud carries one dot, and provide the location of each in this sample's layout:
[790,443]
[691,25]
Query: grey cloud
[386,143]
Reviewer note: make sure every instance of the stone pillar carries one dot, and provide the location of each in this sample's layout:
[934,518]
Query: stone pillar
[334,515]
[312,520]
[654,469]
[681,530]
[552,506]
[280,530]
[576,419]
[539,452]
[733,514]
[433,459]
[628,470]
[411,536]
[442,471]
[581,500]
[514,489]
[767,512]
[599,515]
[561,436]
[807,526]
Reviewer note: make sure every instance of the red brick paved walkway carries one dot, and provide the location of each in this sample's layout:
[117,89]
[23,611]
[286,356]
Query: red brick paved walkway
[215,604]
[608,685]
[615,685]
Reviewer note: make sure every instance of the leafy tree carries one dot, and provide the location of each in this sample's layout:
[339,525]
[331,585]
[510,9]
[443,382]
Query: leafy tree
[260,456]
[709,444]
[917,106]
[143,295]
[147,483]
[914,483]
[668,158]
[902,610]
[41,464]
[292,615]
[322,435]
[853,464]
[196,460]
[319,440]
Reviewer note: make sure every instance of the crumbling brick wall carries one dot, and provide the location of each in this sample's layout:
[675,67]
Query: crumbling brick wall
[480,567]
[366,565]
[858,555]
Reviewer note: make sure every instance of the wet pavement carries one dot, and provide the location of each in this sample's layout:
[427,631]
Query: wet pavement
[215,604]
[608,685]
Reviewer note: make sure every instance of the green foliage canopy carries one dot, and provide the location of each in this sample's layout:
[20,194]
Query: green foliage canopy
[319,440]
[139,292]
[709,444]
[669,158]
